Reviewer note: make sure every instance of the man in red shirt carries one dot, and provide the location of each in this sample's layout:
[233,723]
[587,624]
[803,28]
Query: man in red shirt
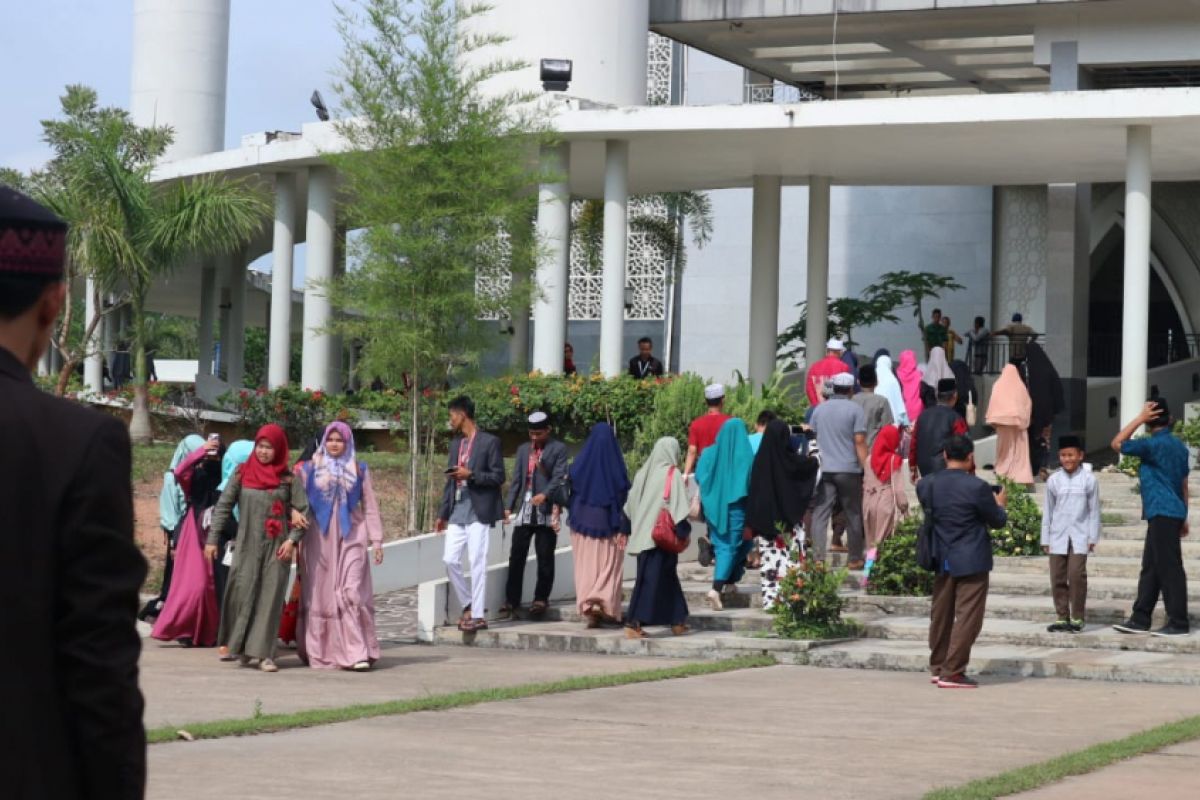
[701,434]
[823,370]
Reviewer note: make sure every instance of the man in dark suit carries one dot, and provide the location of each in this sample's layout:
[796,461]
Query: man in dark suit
[541,464]
[471,505]
[71,724]
[644,364]
[963,507]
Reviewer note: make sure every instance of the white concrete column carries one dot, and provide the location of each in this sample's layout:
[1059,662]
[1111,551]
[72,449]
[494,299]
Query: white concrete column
[314,372]
[554,264]
[208,313]
[616,242]
[1135,328]
[235,363]
[109,332]
[764,278]
[817,296]
[281,280]
[93,364]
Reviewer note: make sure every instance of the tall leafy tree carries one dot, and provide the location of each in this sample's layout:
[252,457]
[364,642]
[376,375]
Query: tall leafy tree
[441,176]
[128,231]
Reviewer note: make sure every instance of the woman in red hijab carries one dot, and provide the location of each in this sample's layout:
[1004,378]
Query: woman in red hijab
[884,501]
[268,499]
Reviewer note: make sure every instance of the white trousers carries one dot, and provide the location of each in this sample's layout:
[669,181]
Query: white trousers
[474,539]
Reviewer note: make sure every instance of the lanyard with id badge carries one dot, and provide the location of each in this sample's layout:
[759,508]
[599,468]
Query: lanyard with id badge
[464,456]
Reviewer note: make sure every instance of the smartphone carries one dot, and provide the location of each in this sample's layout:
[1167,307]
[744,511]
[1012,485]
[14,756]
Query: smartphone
[451,470]
[214,437]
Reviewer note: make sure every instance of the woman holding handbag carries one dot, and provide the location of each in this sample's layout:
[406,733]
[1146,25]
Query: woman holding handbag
[884,501]
[723,473]
[657,597]
[599,528]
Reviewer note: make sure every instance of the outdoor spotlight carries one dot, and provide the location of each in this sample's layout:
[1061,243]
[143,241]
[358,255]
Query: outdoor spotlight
[319,105]
[628,299]
[556,74]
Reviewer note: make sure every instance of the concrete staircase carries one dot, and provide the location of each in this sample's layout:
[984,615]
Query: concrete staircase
[1014,641]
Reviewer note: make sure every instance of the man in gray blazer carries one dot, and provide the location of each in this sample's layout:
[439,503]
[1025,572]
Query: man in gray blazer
[470,507]
[541,464]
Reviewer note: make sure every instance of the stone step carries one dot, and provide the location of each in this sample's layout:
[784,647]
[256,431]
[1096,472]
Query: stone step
[1034,634]
[1029,608]
[1017,660]
[1099,588]
[891,654]
[1098,566]
[700,617]
[1132,548]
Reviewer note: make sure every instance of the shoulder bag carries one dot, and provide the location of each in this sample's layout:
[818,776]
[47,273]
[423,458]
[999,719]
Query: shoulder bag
[667,535]
[926,557]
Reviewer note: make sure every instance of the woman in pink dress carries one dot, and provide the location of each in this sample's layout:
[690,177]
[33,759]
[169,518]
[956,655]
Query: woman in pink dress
[909,375]
[336,629]
[1009,411]
[190,614]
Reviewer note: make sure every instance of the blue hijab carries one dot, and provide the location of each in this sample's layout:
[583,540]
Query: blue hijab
[236,454]
[723,473]
[599,479]
[171,501]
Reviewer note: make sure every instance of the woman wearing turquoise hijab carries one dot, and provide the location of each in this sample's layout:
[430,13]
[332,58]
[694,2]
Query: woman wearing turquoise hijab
[171,505]
[724,477]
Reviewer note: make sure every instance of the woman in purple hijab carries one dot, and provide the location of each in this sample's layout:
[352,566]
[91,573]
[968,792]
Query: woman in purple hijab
[336,628]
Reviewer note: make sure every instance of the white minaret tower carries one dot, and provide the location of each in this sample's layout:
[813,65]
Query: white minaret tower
[180,66]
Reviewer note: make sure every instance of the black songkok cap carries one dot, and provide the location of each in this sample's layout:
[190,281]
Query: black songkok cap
[947,385]
[33,241]
[1070,441]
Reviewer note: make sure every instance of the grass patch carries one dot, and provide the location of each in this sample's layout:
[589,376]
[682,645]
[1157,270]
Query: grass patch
[1110,518]
[273,723]
[151,461]
[1081,762]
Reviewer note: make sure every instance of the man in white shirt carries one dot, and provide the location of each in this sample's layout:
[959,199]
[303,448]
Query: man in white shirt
[1070,530]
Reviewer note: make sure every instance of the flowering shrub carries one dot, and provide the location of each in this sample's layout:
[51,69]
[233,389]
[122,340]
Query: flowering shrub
[896,572]
[1023,534]
[301,413]
[810,604]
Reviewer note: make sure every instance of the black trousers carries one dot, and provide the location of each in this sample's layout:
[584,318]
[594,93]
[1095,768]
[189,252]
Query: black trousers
[1162,573]
[544,539]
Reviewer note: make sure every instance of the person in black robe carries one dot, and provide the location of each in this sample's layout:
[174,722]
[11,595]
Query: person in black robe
[1046,391]
[965,385]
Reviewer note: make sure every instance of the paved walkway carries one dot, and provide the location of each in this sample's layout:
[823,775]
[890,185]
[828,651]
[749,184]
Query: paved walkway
[1171,772]
[777,732]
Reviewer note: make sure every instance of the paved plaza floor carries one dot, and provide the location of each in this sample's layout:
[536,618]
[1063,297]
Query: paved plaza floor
[775,732]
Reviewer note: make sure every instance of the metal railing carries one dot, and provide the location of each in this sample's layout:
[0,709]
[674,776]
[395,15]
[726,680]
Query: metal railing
[776,93]
[996,351]
[1104,351]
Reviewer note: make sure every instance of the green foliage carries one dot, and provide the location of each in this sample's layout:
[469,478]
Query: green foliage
[810,603]
[876,303]
[896,572]
[303,414]
[657,218]
[1188,431]
[1022,536]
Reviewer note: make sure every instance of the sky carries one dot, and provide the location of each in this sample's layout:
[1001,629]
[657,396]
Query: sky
[279,51]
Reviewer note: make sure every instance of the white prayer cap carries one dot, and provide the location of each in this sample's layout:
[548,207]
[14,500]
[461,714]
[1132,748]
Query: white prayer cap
[843,379]
[539,419]
[835,344]
[714,391]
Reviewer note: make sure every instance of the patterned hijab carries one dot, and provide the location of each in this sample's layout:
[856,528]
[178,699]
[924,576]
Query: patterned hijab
[257,475]
[334,482]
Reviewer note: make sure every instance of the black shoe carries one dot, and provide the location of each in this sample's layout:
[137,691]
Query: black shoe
[1062,626]
[1129,626]
[706,552]
[1171,630]
[958,681]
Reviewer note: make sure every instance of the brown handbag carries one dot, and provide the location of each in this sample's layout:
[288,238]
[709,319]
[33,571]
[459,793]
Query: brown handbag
[667,535]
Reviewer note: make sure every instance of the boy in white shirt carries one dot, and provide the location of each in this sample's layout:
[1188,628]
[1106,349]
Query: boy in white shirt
[1070,530]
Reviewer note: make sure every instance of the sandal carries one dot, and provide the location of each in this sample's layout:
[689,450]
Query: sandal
[507,612]
[464,622]
[538,608]
[634,633]
[594,617]
[680,630]
[268,665]
[478,625]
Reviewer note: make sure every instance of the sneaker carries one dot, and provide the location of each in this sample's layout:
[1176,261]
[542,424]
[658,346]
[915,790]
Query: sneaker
[268,665]
[959,681]
[1129,626]
[362,666]
[706,552]
[934,679]
[1076,626]
[714,600]
[1062,626]
[1171,630]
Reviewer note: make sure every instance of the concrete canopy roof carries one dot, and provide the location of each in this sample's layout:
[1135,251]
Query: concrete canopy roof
[971,140]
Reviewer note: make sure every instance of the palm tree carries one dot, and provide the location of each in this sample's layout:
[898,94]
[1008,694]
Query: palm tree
[143,230]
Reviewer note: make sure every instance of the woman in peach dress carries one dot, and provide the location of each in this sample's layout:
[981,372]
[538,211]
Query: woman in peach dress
[1009,412]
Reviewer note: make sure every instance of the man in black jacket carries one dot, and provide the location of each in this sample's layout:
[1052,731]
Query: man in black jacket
[470,507]
[963,508]
[71,724]
[932,429]
[541,464]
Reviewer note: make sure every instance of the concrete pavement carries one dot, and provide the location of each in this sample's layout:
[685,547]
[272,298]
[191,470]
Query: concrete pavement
[777,732]
[1171,772]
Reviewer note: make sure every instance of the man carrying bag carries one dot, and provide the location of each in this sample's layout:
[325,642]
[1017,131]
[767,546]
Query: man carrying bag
[959,509]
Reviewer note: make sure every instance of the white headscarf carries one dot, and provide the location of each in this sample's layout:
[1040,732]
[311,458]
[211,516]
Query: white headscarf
[937,369]
[889,387]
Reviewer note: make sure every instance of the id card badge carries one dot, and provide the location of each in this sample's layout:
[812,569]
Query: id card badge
[528,496]
[458,494]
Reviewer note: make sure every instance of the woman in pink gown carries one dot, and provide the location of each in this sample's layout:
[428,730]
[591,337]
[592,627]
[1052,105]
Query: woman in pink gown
[1009,412]
[190,614]
[336,628]
[909,376]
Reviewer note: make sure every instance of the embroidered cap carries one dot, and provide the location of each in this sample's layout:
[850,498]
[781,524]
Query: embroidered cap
[33,241]
[539,421]
[714,391]
[843,380]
